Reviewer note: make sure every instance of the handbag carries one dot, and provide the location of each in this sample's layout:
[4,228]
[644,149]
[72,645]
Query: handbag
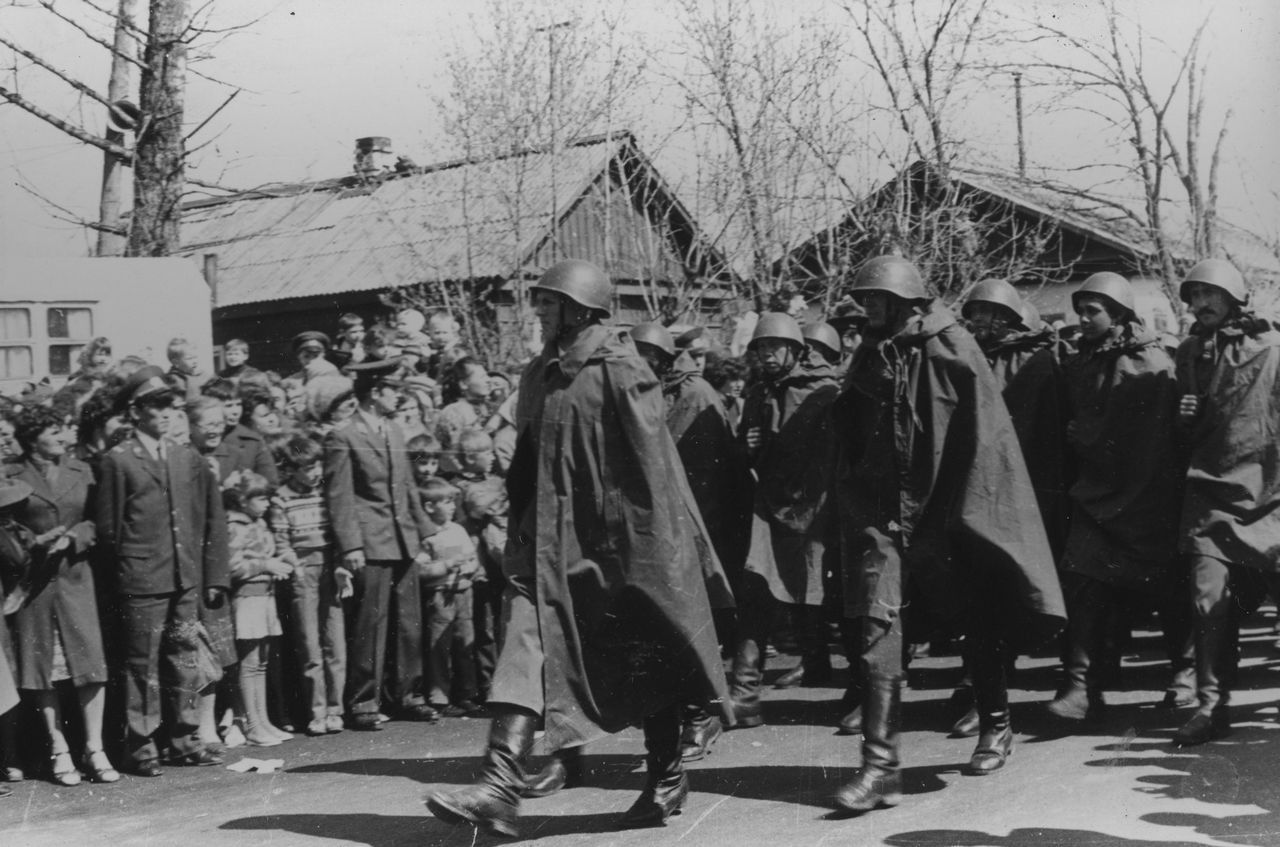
[198,655]
[15,565]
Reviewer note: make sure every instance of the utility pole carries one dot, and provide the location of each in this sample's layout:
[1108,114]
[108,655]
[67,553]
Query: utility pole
[112,243]
[553,105]
[159,158]
[1022,147]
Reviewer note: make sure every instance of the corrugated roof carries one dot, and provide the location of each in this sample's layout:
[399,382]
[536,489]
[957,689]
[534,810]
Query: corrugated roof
[453,221]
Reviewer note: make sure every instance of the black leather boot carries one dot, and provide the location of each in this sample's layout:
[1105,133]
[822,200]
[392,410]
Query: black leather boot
[701,730]
[879,781]
[493,802]
[666,784]
[744,683]
[995,743]
[563,770]
[851,702]
[1215,666]
[1080,696]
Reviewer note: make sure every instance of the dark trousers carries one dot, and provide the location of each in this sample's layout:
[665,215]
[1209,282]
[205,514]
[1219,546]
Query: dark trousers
[159,674]
[487,620]
[386,598]
[451,645]
[1222,594]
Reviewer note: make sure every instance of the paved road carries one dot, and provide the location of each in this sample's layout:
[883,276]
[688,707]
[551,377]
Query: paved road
[1117,784]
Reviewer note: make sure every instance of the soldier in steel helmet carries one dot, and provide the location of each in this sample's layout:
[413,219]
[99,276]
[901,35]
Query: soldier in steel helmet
[786,433]
[718,477]
[930,486]
[1122,541]
[607,606]
[1228,372]
[1026,357]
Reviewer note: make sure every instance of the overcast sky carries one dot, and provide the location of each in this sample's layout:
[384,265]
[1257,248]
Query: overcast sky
[318,74]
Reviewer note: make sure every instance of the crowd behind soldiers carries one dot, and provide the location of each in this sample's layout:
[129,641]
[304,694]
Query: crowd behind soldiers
[898,470]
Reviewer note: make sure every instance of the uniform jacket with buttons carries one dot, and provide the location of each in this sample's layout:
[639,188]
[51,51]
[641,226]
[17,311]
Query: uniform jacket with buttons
[370,492]
[164,522]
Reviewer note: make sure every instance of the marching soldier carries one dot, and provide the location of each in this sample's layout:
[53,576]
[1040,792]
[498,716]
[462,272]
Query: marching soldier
[930,493]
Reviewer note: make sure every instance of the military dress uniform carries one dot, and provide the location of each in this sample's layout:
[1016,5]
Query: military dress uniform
[159,510]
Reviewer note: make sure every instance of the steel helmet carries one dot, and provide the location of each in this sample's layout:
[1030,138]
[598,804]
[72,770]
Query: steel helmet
[997,292]
[655,335]
[778,325]
[1030,317]
[1108,285]
[581,281]
[824,335]
[892,275]
[1220,274]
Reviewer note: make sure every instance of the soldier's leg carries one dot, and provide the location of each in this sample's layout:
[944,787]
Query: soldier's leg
[988,654]
[1089,604]
[1214,625]
[755,606]
[144,624]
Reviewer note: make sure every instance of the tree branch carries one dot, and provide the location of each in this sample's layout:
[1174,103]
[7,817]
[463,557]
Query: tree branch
[48,4]
[74,83]
[70,129]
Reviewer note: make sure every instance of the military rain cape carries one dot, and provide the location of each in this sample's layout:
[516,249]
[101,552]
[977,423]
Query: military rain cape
[930,459]
[608,563]
[1231,509]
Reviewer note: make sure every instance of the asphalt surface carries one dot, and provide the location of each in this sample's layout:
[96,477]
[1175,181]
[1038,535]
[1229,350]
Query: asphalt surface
[1114,783]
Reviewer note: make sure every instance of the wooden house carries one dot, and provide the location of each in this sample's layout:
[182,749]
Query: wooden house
[285,258]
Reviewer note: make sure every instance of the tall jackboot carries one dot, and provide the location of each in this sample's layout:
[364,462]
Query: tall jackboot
[563,770]
[1080,696]
[851,702]
[492,803]
[814,669]
[744,683]
[1215,668]
[666,784]
[991,695]
[701,730]
[879,781]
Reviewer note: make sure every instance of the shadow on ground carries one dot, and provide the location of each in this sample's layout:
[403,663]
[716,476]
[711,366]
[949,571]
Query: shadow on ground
[1047,837]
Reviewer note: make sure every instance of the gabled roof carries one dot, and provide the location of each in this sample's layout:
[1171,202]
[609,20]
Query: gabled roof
[467,219]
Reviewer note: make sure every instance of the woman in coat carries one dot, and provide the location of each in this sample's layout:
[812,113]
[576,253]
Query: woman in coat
[58,634]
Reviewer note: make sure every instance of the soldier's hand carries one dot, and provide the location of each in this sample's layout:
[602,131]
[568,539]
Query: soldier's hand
[342,577]
[1188,407]
[353,561]
[754,438]
[214,598]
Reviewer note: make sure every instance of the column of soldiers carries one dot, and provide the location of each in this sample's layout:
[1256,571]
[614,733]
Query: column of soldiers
[982,477]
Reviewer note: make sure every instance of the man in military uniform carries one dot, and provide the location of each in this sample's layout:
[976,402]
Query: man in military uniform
[159,510]
[786,435]
[930,483]
[1228,372]
[607,607]
[379,526]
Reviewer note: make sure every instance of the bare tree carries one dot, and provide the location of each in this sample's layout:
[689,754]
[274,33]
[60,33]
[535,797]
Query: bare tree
[158,150]
[771,128]
[1171,157]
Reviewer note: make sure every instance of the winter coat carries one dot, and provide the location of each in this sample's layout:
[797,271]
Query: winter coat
[930,461]
[1028,368]
[607,548]
[791,521]
[62,600]
[1125,498]
[1231,510]
[714,463]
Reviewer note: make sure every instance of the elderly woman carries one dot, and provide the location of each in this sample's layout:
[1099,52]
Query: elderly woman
[58,634]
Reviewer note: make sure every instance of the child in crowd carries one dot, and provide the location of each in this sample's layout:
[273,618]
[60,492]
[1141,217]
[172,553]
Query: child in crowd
[409,324]
[255,568]
[379,343]
[235,359]
[184,370]
[300,521]
[348,348]
[424,457]
[482,503]
[446,578]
